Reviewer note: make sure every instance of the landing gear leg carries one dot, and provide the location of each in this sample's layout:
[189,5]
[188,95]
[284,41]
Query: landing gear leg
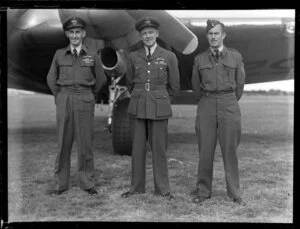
[114,93]
[118,123]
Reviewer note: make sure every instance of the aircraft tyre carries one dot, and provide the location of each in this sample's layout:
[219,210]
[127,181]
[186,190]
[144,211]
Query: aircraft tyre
[121,128]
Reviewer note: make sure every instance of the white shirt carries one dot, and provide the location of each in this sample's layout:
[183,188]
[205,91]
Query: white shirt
[152,49]
[78,48]
[220,49]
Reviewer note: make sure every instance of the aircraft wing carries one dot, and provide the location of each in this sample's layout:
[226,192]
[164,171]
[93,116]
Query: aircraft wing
[32,39]
[35,34]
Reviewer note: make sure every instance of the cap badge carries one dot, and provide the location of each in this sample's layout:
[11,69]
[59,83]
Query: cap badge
[73,21]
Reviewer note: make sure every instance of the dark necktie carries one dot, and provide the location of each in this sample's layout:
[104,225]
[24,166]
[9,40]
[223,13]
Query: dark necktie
[217,54]
[149,53]
[75,53]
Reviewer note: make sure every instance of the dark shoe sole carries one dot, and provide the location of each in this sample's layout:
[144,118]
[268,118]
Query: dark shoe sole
[57,192]
[168,196]
[91,191]
[239,202]
[128,194]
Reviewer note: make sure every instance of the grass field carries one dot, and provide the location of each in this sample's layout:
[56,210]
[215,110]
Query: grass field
[265,162]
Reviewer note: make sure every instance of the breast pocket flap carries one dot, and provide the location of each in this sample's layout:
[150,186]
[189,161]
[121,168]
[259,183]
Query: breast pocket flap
[207,66]
[230,65]
[66,63]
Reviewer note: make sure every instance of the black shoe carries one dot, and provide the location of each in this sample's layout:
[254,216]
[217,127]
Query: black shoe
[199,199]
[129,193]
[169,196]
[57,192]
[194,192]
[239,201]
[91,191]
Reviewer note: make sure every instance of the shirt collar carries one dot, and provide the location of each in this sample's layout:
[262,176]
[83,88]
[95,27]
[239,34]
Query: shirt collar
[152,49]
[78,48]
[220,49]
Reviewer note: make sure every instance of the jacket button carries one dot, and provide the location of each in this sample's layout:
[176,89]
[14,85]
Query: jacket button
[148,71]
[149,63]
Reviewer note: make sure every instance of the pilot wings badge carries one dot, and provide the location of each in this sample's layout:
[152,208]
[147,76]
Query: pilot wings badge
[87,60]
[160,60]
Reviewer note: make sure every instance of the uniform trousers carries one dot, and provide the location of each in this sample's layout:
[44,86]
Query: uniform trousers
[75,118]
[156,132]
[218,116]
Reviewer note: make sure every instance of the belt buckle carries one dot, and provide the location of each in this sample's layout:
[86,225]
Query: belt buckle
[147,86]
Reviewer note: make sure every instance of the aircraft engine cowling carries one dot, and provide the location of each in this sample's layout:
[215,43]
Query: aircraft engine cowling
[113,62]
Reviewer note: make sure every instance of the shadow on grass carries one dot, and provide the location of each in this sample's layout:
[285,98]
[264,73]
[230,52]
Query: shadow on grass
[34,130]
[190,138]
[267,138]
[182,138]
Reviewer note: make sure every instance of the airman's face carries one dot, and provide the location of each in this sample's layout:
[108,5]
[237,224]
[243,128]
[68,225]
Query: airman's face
[215,36]
[149,35]
[76,36]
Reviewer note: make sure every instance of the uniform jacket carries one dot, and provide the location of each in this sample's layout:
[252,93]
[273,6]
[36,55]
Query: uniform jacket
[85,71]
[226,75]
[161,69]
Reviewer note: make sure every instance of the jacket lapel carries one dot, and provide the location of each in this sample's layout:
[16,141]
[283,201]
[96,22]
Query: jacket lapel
[157,52]
[142,53]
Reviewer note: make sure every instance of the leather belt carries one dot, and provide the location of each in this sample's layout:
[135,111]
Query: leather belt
[207,93]
[149,86]
[75,90]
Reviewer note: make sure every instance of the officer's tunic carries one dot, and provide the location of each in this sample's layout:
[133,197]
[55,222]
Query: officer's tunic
[75,83]
[152,84]
[218,87]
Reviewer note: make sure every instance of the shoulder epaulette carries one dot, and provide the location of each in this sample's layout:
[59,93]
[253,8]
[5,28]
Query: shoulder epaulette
[234,50]
[201,53]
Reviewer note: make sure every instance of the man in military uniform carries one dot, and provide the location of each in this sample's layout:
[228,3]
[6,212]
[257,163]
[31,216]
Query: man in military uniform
[152,79]
[218,81]
[75,77]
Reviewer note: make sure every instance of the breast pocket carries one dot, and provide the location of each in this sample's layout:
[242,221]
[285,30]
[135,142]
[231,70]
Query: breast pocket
[138,70]
[86,69]
[229,71]
[205,71]
[161,70]
[65,68]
